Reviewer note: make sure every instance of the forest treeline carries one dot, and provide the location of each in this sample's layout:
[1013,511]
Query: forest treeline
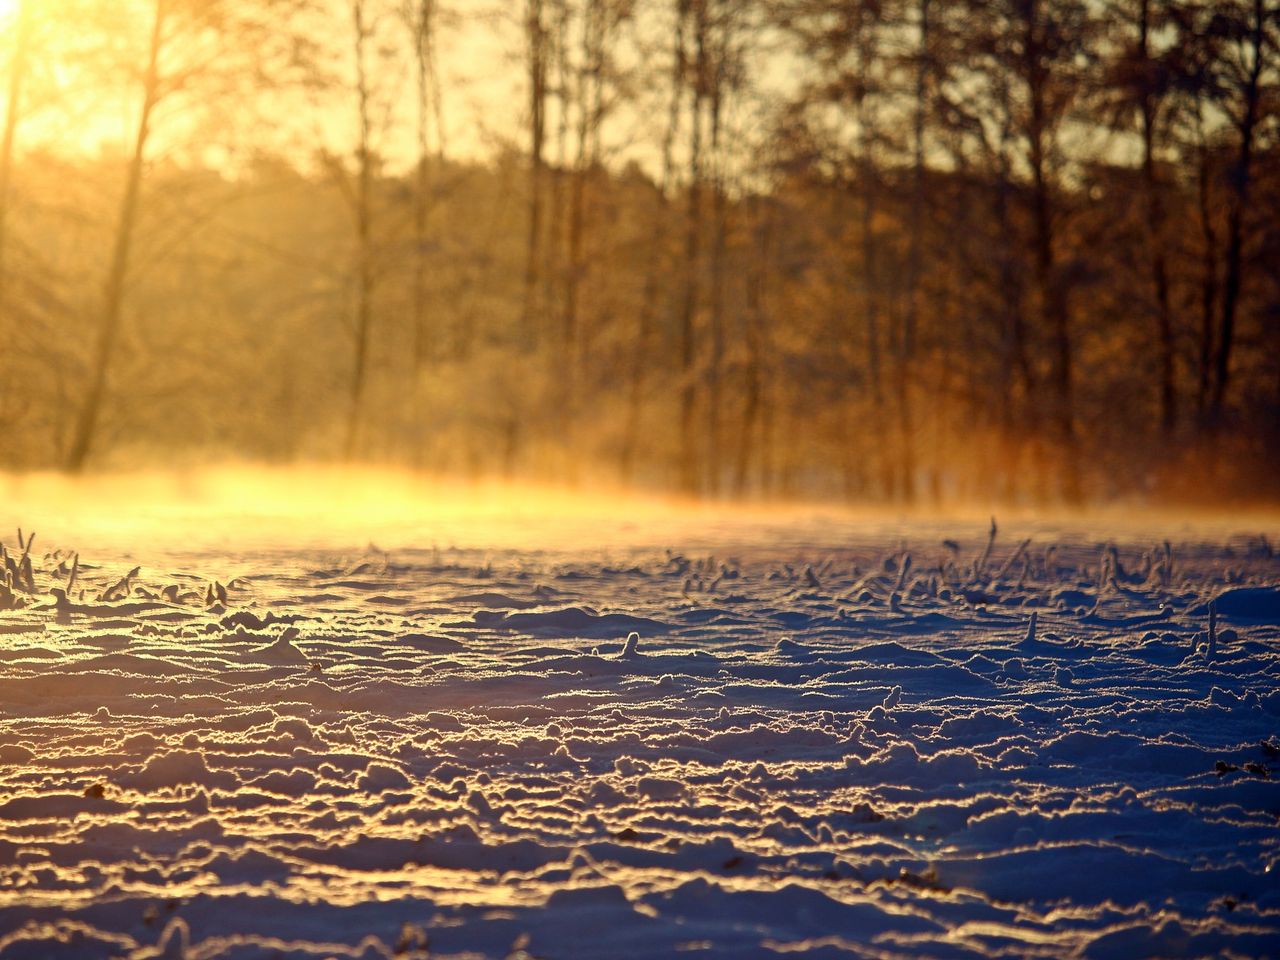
[890,250]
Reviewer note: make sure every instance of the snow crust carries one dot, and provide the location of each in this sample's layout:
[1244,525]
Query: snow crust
[924,744]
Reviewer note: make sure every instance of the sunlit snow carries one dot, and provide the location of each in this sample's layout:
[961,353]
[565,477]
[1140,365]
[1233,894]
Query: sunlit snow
[860,740]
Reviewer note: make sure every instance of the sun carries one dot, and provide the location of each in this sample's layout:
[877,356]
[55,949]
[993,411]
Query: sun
[9,10]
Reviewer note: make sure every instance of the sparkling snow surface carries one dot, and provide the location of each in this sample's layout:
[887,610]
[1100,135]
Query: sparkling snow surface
[823,738]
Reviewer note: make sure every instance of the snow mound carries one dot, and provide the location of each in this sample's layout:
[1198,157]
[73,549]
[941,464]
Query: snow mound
[1257,604]
[177,768]
[281,653]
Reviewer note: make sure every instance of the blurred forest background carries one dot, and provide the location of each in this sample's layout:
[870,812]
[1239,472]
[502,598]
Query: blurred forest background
[889,250]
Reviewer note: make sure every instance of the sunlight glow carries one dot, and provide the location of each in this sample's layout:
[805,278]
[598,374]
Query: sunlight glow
[351,507]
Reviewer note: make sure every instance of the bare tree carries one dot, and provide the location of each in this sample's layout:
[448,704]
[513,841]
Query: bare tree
[362,34]
[597,22]
[1150,90]
[915,255]
[869,185]
[696,11]
[194,48]
[536,39]
[113,295]
[1029,55]
[648,308]
[1247,58]
[13,112]
[421,17]
[1050,35]
[755,327]
[723,76]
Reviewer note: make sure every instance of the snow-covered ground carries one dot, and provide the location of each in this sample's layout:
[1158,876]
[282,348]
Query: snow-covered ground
[747,740]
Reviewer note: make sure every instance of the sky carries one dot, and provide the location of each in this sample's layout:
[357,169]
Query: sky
[73,105]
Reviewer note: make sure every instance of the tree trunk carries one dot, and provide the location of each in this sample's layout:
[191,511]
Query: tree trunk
[754,327]
[870,291]
[364,230]
[424,345]
[1240,184]
[1017,360]
[1208,268]
[1052,294]
[649,297]
[719,215]
[17,75]
[1154,193]
[692,264]
[554,262]
[915,255]
[537,138]
[590,81]
[117,274]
